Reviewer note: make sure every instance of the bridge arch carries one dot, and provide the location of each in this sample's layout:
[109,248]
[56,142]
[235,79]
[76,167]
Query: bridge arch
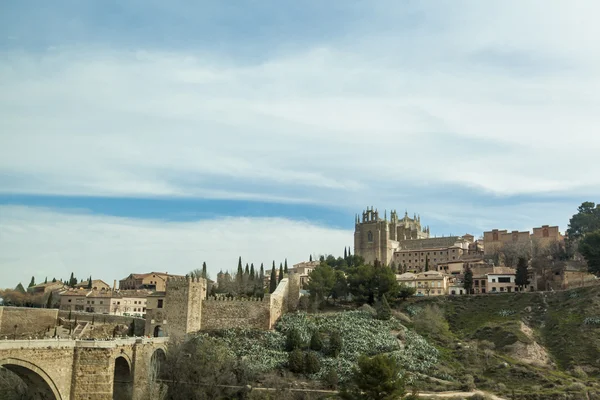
[123,378]
[157,363]
[34,377]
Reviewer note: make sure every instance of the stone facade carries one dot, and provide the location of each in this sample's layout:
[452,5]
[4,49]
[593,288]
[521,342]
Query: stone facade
[28,321]
[184,308]
[78,370]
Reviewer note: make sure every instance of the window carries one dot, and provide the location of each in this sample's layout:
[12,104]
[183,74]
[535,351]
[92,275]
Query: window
[503,279]
[370,236]
[69,300]
[101,302]
[160,303]
[493,280]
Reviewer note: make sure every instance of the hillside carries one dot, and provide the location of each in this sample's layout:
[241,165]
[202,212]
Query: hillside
[526,344]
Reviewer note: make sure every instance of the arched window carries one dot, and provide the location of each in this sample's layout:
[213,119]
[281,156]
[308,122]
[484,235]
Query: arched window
[370,236]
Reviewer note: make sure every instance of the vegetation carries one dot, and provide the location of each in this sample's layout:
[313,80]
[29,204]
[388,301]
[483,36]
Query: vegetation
[378,378]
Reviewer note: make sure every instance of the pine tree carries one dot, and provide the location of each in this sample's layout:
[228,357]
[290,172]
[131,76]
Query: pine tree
[285,267]
[280,272]
[204,273]
[273,279]
[468,280]
[384,312]
[32,283]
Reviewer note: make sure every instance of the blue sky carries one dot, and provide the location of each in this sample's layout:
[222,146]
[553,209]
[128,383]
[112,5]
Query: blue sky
[156,135]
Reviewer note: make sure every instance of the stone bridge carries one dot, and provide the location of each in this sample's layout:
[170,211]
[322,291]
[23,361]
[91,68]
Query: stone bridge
[84,369]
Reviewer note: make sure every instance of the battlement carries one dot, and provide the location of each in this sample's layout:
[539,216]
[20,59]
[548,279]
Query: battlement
[238,299]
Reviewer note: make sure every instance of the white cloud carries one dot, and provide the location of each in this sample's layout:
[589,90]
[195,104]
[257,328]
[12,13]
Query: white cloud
[48,243]
[475,95]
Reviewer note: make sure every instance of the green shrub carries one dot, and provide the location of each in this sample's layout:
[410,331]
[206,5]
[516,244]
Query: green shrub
[296,361]
[331,379]
[578,372]
[293,340]
[316,341]
[467,383]
[335,344]
[384,312]
[312,364]
[576,387]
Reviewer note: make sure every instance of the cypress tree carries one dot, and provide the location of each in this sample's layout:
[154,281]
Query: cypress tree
[252,271]
[72,280]
[310,258]
[32,283]
[204,273]
[46,280]
[426,263]
[247,270]
[262,273]
[53,280]
[468,281]
[280,272]
[345,253]
[239,277]
[20,288]
[521,276]
[239,268]
[285,267]
[49,302]
[89,286]
[273,280]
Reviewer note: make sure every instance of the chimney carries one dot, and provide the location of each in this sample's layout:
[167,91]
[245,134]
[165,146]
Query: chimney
[114,284]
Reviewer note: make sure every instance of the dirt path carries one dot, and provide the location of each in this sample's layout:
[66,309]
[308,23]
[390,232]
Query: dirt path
[444,395]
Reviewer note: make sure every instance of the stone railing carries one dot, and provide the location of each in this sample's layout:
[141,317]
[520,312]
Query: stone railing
[70,343]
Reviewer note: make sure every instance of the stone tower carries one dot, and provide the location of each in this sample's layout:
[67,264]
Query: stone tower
[183,305]
[377,239]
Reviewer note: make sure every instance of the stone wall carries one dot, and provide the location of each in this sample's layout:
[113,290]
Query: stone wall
[106,319]
[29,321]
[183,305]
[279,301]
[225,314]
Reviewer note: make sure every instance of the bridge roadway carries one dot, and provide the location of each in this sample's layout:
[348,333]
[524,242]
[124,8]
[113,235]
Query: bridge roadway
[63,369]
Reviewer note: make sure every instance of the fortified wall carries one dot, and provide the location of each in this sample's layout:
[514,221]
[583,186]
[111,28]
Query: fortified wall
[185,308]
[24,320]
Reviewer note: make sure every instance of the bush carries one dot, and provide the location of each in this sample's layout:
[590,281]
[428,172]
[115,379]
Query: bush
[467,383]
[293,340]
[578,372]
[316,341]
[304,303]
[296,361]
[331,379]
[312,364]
[576,387]
[335,344]
[384,312]
[431,321]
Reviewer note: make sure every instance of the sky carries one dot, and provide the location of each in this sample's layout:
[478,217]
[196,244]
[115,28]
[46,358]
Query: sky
[141,136]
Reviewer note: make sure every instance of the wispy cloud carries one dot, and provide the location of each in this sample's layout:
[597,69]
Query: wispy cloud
[43,242]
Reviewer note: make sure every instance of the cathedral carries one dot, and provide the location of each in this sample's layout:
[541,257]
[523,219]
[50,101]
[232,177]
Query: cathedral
[378,239]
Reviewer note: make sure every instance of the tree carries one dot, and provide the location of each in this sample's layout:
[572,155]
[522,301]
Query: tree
[468,280]
[293,340]
[89,286]
[404,292]
[285,267]
[316,341]
[46,280]
[426,263]
[393,267]
[376,378]
[49,302]
[384,312]
[345,253]
[53,280]
[252,271]
[321,282]
[32,283]
[20,288]
[310,258]
[273,279]
[586,220]
[247,270]
[370,282]
[335,344]
[340,287]
[521,275]
[72,280]
[280,272]
[589,247]
[296,361]
[204,272]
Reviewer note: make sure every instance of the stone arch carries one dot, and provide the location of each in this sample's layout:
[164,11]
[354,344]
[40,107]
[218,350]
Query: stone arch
[158,331]
[34,377]
[157,363]
[122,378]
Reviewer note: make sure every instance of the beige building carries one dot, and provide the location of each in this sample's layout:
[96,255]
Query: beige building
[151,281]
[545,235]
[416,260]
[47,287]
[501,280]
[97,284]
[494,240]
[430,283]
[105,301]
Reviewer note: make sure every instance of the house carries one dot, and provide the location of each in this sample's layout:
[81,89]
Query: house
[429,283]
[105,301]
[501,279]
[97,284]
[151,281]
[47,287]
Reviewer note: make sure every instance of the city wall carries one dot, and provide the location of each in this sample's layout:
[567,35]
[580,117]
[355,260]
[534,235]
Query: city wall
[224,313]
[28,321]
[106,319]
